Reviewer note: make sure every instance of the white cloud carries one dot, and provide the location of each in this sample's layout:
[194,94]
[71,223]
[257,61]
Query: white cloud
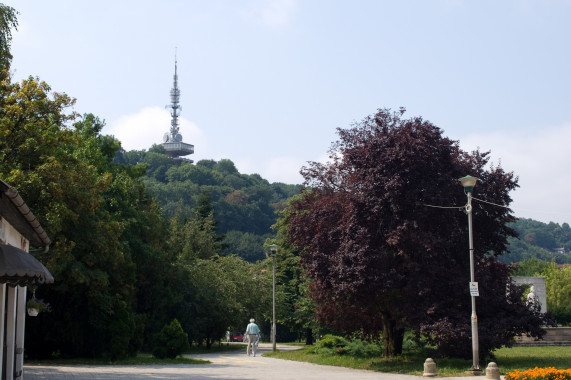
[540,159]
[272,13]
[143,129]
[278,169]
[278,13]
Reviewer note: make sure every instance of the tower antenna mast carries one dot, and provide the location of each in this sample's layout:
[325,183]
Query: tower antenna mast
[172,141]
[175,103]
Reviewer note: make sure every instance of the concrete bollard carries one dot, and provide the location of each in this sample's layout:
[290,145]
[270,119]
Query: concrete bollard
[429,368]
[493,372]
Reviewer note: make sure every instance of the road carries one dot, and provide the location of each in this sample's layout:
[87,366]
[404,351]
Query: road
[230,366]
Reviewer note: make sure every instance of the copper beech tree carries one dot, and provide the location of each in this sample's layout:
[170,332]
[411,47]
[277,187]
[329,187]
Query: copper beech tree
[381,259]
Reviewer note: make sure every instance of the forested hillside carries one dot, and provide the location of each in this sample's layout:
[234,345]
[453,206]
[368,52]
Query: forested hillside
[539,240]
[244,204]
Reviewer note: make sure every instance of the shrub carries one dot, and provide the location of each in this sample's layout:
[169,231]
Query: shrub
[561,314]
[171,341]
[360,348]
[550,373]
[331,345]
[332,341]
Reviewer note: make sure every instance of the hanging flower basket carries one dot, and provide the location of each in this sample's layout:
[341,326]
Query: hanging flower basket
[35,306]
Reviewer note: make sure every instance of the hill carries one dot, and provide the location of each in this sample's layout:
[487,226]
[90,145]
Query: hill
[539,240]
[244,205]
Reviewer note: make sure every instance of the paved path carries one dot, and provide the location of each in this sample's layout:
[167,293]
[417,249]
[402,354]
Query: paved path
[231,366]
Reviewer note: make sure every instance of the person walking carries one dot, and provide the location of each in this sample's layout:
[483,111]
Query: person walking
[252,331]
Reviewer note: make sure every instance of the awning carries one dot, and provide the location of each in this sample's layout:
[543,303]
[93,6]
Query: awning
[18,267]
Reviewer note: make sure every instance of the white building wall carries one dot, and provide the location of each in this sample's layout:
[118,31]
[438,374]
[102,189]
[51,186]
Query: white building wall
[540,291]
[20,330]
[13,237]
[10,332]
[13,311]
[2,324]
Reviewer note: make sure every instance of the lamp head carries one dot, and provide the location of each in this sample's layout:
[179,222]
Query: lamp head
[273,248]
[468,182]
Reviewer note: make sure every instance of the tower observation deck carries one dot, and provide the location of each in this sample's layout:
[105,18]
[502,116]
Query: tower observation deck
[172,141]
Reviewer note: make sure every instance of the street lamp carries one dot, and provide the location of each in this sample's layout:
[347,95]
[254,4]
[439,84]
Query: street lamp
[469,182]
[273,250]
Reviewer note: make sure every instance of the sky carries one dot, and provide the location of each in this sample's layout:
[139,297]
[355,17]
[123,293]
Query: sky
[266,83]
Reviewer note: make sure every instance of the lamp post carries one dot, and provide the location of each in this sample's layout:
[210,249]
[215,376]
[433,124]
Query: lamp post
[273,250]
[469,182]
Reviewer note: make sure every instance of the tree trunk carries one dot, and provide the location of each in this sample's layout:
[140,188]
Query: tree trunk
[393,337]
[308,337]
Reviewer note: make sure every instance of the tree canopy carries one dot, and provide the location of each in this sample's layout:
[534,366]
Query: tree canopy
[380,258]
[545,241]
[244,205]
[8,21]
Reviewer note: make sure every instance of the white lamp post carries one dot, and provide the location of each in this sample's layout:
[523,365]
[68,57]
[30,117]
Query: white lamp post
[273,250]
[469,182]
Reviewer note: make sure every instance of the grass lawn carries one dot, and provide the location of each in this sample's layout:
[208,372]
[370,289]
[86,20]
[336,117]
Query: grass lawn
[523,358]
[507,359]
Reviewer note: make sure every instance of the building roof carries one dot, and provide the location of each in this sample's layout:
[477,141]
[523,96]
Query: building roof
[16,212]
[18,267]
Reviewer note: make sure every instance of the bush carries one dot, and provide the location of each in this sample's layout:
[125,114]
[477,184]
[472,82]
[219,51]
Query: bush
[362,349]
[561,314]
[331,345]
[171,342]
[332,341]
[540,374]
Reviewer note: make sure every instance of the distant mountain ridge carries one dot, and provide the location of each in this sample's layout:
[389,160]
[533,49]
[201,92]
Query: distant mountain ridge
[544,241]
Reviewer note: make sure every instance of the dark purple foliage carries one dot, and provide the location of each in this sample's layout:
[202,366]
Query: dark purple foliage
[381,260]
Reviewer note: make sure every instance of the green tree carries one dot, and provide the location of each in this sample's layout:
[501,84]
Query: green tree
[558,292]
[240,290]
[171,342]
[158,165]
[204,207]
[8,21]
[298,307]
[225,167]
[46,160]
[95,277]
[530,267]
[194,238]
[247,245]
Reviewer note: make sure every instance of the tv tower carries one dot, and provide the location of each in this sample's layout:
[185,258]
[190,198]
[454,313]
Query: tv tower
[172,141]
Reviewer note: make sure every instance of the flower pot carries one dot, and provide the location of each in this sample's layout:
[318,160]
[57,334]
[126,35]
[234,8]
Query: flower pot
[32,312]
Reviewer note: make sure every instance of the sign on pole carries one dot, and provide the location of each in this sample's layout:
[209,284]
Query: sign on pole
[474,289]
